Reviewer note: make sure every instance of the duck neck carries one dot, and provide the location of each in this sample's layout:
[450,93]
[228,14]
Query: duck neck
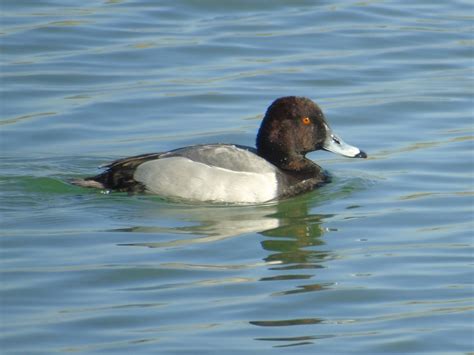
[290,162]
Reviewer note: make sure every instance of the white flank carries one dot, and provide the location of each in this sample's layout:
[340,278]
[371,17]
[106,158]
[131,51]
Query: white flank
[180,177]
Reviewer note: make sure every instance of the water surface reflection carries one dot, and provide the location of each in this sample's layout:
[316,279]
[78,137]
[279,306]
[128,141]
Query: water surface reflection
[292,241]
[287,226]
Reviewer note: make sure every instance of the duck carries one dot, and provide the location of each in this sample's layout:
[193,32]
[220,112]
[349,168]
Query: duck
[275,169]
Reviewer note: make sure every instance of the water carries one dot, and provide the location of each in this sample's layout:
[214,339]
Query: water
[378,261]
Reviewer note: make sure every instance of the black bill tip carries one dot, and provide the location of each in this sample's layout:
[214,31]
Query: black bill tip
[361,155]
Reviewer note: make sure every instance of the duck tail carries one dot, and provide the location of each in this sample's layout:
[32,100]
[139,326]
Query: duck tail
[88,182]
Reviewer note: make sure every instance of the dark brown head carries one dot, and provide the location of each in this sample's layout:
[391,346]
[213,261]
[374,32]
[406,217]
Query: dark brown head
[294,126]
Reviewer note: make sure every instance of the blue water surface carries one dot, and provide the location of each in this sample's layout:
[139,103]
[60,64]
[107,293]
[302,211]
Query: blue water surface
[380,260]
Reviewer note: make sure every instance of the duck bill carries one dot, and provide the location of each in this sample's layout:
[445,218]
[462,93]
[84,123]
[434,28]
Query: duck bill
[336,145]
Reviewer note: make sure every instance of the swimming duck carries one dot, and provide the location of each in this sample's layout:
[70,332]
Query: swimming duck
[277,168]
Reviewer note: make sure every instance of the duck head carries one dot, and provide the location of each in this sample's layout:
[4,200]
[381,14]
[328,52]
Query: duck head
[294,126]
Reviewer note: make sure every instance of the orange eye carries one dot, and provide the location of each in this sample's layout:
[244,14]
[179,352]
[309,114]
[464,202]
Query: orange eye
[306,120]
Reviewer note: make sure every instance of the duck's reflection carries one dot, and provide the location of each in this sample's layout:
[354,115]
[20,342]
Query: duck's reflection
[287,225]
[207,224]
[292,246]
[297,231]
[292,238]
[292,234]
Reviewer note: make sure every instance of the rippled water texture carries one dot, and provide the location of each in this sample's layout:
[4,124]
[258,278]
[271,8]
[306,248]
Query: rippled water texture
[380,260]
